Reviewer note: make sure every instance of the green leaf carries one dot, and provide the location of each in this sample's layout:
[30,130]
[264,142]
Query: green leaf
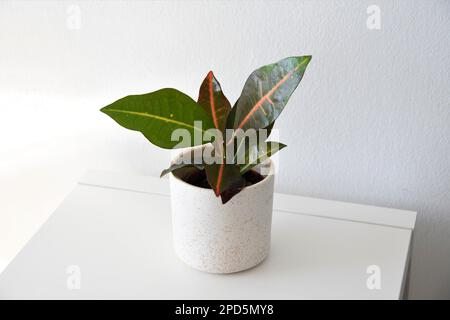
[224,177]
[266,92]
[176,166]
[258,153]
[158,114]
[191,158]
[240,143]
[213,101]
[269,129]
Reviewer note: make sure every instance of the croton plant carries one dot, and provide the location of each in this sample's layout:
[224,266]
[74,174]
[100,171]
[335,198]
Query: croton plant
[232,139]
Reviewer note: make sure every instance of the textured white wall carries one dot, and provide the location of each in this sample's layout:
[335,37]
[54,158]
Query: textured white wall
[370,122]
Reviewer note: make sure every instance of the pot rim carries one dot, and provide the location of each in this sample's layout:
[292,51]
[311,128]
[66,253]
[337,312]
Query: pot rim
[268,162]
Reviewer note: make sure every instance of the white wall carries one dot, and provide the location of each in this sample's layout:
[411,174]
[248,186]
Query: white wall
[370,122]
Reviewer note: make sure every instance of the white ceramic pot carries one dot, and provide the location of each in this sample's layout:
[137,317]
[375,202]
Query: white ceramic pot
[222,238]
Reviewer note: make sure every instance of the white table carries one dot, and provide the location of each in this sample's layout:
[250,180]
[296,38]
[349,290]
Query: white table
[111,238]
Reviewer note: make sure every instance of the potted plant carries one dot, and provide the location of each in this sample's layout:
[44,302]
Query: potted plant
[227,152]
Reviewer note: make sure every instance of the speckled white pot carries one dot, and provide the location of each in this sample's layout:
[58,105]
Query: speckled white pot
[222,238]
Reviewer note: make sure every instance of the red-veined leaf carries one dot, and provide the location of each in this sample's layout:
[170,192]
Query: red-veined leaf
[266,92]
[213,101]
[223,178]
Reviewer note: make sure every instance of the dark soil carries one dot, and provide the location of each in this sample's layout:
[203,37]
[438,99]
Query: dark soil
[198,178]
